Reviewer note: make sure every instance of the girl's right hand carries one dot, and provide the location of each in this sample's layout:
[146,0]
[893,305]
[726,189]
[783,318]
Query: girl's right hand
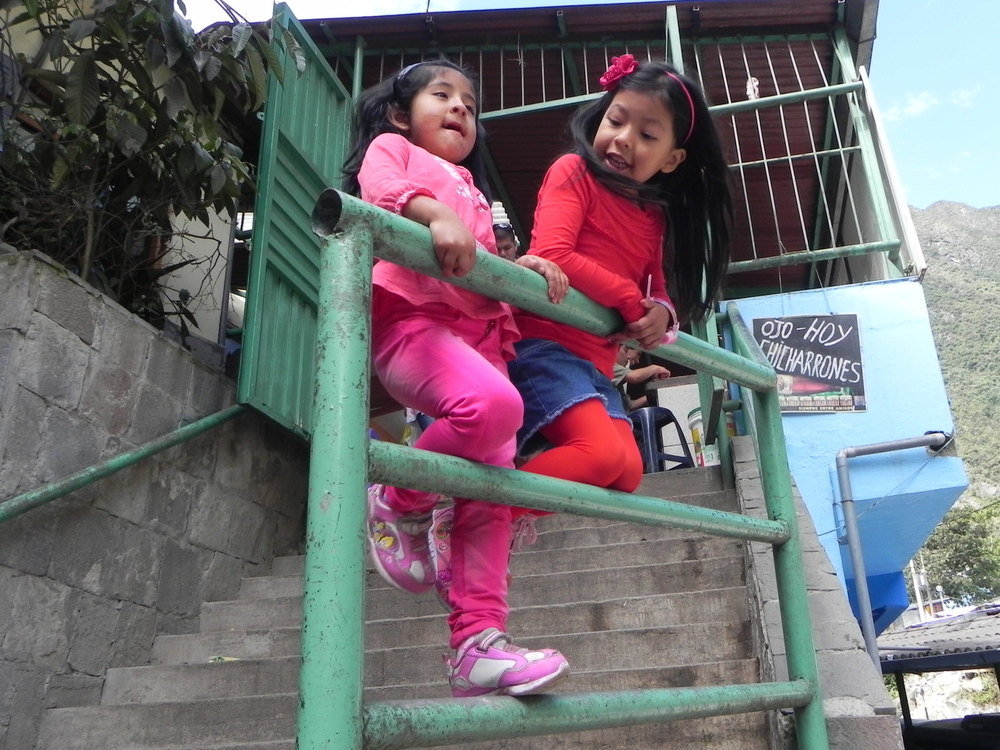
[557,280]
[454,245]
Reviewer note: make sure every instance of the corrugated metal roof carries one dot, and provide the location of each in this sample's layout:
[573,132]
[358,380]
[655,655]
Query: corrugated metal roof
[966,641]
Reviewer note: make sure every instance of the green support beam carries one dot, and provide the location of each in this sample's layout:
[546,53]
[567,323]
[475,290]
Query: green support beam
[29,500]
[429,723]
[814,256]
[331,682]
[404,242]
[400,466]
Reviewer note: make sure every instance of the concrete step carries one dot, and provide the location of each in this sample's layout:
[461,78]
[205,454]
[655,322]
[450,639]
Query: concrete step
[658,610]
[200,648]
[702,487]
[529,560]
[724,604]
[198,682]
[681,484]
[257,677]
[268,723]
[647,647]
[689,627]
[629,649]
[738,672]
[599,533]
[741,732]
[196,724]
[384,602]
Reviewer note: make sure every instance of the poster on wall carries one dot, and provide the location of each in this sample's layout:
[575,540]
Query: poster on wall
[818,361]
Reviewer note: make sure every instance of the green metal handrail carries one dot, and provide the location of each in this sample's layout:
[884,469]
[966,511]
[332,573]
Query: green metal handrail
[35,498]
[332,714]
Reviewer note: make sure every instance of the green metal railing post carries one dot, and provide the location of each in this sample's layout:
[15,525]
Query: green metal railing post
[793,600]
[810,720]
[332,677]
[332,714]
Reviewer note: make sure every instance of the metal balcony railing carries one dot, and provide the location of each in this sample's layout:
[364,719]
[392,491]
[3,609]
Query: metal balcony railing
[814,182]
[332,712]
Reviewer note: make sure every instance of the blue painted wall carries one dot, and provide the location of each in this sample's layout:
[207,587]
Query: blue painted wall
[899,497]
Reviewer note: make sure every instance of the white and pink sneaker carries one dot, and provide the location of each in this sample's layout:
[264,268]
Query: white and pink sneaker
[398,544]
[490,664]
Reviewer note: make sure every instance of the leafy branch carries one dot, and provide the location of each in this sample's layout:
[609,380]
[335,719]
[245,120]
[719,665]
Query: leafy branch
[120,120]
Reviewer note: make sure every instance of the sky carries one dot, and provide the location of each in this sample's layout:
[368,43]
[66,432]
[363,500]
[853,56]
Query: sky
[935,71]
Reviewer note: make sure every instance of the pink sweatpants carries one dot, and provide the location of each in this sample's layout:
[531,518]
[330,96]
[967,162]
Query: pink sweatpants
[451,368]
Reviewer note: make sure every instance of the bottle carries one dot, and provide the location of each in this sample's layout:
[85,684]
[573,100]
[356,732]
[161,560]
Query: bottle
[704,455]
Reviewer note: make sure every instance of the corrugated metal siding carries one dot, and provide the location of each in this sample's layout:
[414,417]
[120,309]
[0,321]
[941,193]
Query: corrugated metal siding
[305,137]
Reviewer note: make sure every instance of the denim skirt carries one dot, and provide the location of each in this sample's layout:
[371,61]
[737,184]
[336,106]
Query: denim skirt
[551,379]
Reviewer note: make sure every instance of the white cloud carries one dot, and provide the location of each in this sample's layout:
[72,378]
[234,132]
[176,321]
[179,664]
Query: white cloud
[964,97]
[916,104]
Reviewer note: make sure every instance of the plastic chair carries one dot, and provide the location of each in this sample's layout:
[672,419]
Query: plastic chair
[649,421]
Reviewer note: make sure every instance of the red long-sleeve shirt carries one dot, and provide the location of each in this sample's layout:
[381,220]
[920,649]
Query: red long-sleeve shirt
[607,245]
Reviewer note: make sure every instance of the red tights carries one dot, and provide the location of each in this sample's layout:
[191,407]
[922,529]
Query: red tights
[591,448]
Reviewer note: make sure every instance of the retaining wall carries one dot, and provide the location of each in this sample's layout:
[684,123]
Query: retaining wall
[87,581]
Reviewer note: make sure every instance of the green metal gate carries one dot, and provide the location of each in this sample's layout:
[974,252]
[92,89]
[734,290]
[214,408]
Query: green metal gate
[305,137]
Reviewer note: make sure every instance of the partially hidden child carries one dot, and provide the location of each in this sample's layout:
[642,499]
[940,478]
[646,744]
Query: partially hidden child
[443,351]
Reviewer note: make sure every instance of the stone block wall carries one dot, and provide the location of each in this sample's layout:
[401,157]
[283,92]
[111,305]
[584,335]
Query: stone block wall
[87,581]
[860,715]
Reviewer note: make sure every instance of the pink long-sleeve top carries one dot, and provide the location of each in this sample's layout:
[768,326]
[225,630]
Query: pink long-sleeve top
[608,246]
[393,172]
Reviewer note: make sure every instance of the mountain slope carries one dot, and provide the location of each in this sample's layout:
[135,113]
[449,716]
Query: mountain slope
[962,286]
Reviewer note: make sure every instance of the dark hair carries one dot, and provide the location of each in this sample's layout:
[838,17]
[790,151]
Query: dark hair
[504,230]
[695,196]
[371,118]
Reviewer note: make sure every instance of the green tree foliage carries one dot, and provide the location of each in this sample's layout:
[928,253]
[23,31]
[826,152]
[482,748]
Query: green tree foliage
[962,286]
[124,119]
[963,554]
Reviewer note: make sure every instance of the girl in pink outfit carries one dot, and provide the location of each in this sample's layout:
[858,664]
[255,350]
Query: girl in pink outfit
[443,350]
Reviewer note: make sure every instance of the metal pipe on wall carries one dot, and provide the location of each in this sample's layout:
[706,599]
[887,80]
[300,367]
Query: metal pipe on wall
[934,440]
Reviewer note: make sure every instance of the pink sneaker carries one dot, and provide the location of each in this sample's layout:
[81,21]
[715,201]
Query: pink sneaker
[490,664]
[439,541]
[398,544]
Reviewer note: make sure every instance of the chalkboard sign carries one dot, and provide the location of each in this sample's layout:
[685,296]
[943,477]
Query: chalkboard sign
[818,361]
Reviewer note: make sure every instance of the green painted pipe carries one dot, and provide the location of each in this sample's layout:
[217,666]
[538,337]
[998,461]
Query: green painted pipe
[814,256]
[29,500]
[793,600]
[794,97]
[407,243]
[331,681]
[429,723]
[399,466]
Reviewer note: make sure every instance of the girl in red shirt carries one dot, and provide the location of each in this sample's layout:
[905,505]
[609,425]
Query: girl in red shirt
[642,197]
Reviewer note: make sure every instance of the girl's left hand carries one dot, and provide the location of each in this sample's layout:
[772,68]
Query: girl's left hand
[650,329]
[558,282]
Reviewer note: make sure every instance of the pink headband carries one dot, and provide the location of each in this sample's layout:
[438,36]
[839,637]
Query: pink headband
[626,65]
[690,104]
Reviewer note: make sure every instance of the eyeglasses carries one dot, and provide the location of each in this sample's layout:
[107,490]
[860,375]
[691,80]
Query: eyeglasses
[504,227]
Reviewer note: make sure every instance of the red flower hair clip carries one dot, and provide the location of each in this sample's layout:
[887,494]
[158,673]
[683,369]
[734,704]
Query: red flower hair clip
[620,67]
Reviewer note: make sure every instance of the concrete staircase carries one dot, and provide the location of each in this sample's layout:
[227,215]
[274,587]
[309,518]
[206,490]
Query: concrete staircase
[630,606]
